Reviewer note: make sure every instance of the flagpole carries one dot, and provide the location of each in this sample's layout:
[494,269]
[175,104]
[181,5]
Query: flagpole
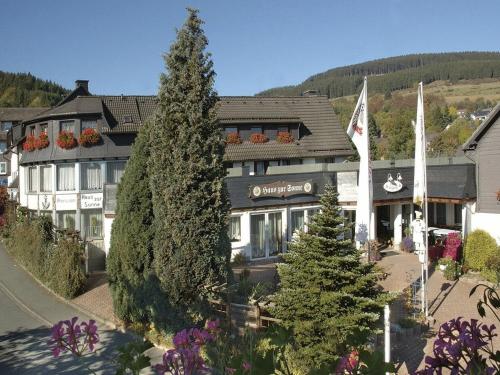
[426,202]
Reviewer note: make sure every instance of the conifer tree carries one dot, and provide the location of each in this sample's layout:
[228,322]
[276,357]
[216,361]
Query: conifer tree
[190,204]
[327,297]
[129,262]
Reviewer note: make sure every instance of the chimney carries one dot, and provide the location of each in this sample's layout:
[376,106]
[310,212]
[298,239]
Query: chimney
[82,83]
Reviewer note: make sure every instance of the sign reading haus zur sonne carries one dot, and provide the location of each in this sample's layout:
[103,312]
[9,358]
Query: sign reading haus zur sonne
[281,189]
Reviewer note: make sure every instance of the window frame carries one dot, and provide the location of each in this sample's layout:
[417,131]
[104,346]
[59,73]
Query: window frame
[58,218]
[83,127]
[231,219]
[44,128]
[82,177]
[84,216]
[40,182]
[268,235]
[74,177]
[107,179]
[3,167]
[65,122]
[30,181]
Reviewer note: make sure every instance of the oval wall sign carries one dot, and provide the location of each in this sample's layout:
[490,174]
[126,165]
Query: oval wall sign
[393,186]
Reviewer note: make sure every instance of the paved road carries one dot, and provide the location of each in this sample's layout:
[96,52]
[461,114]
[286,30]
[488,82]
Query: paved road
[27,311]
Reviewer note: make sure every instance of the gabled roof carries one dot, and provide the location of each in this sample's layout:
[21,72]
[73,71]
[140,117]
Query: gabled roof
[471,143]
[16,114]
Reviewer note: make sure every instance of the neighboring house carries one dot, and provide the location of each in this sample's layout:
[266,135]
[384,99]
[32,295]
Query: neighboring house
[10,117]
[481,115]
[484,148]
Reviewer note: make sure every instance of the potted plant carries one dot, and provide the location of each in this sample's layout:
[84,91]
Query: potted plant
[89,137]
[30,143]
[258,138]
[66,140]
[284,137]
[233,139]
[42,141]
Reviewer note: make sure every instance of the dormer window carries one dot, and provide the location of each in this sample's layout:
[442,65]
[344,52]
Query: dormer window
[127,119]
[31,130]
[256,129]
[230,130]
[43,128]
[67,126]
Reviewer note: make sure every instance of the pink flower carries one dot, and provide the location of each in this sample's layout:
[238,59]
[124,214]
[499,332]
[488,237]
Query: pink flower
[230,370]
[246,366]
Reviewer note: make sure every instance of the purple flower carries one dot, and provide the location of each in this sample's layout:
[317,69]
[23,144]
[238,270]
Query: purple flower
[68,335]
[57,334]
[91,335]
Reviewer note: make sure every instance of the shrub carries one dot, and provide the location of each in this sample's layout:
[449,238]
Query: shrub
[492,271]
[258,138]
[89,137]
[233,138]
[452,246]
[239,259]
[407,245]
[30,143]
[452,270]
[66,276]
[66,140]
[479,246]
[42,141]
[284,137]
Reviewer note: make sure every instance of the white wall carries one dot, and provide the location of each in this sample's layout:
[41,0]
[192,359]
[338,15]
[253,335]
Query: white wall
[107,223]
[488,222]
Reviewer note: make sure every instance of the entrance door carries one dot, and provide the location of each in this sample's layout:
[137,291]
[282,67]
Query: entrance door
[266,234]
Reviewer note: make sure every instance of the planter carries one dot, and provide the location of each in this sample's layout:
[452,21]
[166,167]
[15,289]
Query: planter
[284,137]
[30,143]
[89,137]
[66,140]
[258,138]
[42,141]
[233,139]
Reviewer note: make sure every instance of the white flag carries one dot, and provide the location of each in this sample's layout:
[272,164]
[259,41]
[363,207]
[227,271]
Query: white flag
[419,180]
[358,132]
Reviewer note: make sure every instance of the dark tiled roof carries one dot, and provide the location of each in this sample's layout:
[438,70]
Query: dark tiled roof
[19,114]
[78,106]
[247,109]
[482,129]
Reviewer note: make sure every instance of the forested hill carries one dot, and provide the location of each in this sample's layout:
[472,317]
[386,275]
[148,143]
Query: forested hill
[26,90]
[396,73]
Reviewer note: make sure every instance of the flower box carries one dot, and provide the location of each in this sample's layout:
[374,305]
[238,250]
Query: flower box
[258,138]
[66,140]
[42,141]
[89,137]
[284,137]
[30,143]
[233,139]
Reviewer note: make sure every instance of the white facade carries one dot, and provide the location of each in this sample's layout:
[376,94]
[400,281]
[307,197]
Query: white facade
[485,221]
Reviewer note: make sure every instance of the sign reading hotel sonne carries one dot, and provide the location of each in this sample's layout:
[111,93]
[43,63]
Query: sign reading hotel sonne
[281,189]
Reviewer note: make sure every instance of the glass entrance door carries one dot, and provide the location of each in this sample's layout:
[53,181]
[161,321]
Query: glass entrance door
[275,234]
[257,235]
[266,234]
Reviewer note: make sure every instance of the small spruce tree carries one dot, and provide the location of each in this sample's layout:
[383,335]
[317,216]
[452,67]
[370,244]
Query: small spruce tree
[190,204]
[327,297]
[129,262]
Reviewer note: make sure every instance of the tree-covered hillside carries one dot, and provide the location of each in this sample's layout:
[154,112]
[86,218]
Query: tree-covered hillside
[26,90]
[396,73]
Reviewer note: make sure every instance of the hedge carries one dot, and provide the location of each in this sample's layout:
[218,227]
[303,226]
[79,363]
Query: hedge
[58,265]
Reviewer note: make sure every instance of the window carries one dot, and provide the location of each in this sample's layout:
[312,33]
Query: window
[235,228]
[31,130]
[430,213]
[5,125]
[115,171]
[91,223]
[3,147]
[46,178]
[255,129]
[441,213]
[298,221]
[32,180]
[3,167]
[89,124]
[282,129]
[260,168]
[66,219]
[43,128]
[230,130]
[458,213]
[66,177]
[68,126]
[4,182]
[266,234]
[91,178]
[47,214]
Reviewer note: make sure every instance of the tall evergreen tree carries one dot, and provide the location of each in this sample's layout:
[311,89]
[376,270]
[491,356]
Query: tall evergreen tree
[328,297]
[190,204]
[129,263]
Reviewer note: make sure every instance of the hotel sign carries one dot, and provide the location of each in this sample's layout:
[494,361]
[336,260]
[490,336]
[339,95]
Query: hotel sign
[281,189]
[91,200]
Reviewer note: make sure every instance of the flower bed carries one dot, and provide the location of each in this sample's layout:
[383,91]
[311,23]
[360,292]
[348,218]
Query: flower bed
[42,141]
[66,140]
[258,138]
[284,137]
[89,137]
[233,139]
[30,143]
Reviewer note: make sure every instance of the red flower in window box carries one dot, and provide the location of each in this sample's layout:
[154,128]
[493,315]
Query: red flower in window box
[233,138]
[30,143]
[66,140]
[89,137]
[284,137]
[258,138]
[42,141]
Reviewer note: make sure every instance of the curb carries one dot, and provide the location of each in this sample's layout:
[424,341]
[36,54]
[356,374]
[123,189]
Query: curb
[92,315]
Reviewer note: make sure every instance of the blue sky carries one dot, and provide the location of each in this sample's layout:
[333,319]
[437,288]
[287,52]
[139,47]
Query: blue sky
[256,44]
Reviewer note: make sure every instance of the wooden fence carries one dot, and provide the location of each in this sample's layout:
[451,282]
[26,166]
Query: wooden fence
[240,317]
